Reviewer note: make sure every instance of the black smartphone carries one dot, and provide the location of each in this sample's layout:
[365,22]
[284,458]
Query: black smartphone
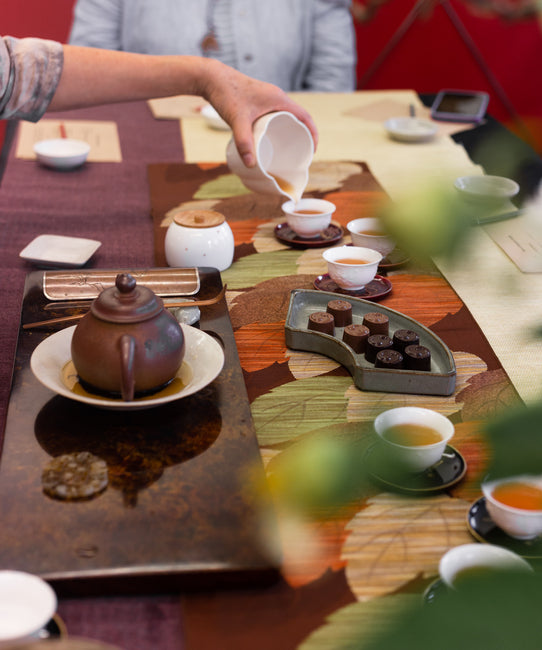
[459,106]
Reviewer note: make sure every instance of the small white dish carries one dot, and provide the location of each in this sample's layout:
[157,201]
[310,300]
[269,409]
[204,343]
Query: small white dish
[213,119]
[59,250]
[202,363]
[62,153]
[410,129]
[486,189]
[27,604]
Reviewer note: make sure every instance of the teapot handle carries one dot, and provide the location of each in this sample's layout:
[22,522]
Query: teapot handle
[127,355]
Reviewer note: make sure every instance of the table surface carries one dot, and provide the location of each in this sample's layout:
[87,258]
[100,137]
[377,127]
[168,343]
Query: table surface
[334,566]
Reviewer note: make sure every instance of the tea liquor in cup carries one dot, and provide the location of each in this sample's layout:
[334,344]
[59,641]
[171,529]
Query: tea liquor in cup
[369,233]
[467,562]
[352,267]
[413,438]
[308,217]
[515,505]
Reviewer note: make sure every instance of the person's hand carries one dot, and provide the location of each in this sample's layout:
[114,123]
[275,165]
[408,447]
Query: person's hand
[240,100]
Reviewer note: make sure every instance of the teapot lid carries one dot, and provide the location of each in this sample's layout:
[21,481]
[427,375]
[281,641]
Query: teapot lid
[199,218]
[126,302]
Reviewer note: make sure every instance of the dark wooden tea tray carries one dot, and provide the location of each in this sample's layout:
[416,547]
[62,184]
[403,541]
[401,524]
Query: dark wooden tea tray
[177,512]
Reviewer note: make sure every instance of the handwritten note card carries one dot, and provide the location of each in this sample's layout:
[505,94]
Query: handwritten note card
[521,240]
[102,136]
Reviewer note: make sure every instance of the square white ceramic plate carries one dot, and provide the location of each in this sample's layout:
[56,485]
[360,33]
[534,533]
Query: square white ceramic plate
[59,250]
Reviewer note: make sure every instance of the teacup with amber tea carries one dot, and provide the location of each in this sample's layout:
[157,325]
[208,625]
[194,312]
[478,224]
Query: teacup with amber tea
[308,217]
[467,562]
[413,438]
[369,232]
[352,267]
[515,504]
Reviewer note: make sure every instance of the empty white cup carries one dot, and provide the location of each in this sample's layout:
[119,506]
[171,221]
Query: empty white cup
[284,151]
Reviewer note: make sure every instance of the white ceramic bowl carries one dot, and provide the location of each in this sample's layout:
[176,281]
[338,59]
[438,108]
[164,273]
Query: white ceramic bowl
[518,523]
[414,458]
[284,151]
[359,229]
[352,277]
[27,604]
[62,153]
[460,559]
[308,217]
[213,119]
[410,129]
[486,189]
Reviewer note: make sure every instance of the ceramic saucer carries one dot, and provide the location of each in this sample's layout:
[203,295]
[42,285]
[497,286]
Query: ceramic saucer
[484,529]
[332,234]
[394,260]
[376,289]
[202,363]
[448,471]
[410,129]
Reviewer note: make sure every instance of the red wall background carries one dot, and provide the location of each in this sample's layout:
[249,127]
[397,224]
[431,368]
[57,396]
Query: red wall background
[430,55]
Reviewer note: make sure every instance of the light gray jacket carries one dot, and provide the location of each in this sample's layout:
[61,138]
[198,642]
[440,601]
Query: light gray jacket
[294,44]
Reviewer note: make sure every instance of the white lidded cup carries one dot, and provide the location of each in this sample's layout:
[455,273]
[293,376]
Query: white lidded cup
[284,152]
[308,217]
[199,238]
[469,561]
[421,425]
[27,604]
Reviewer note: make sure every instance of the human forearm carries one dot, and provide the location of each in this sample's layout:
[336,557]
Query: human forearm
[92,76]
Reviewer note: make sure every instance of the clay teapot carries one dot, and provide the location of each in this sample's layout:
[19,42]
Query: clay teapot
[128,344]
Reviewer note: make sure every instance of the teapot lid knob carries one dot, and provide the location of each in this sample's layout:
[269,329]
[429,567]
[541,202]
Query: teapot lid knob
[125,282]
[126,302]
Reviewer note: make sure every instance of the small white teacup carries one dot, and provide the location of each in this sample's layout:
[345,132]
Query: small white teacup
[27,604]
[352,267]
[413,438]
[368,232]
[471,561]
[308,217]
[507,505]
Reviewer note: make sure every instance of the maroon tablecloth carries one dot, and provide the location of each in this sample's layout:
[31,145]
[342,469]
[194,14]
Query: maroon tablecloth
[114,208]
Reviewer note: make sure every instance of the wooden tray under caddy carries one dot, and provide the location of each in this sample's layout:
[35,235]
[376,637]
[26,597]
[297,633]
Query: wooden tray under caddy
[440,380]
[177,511]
